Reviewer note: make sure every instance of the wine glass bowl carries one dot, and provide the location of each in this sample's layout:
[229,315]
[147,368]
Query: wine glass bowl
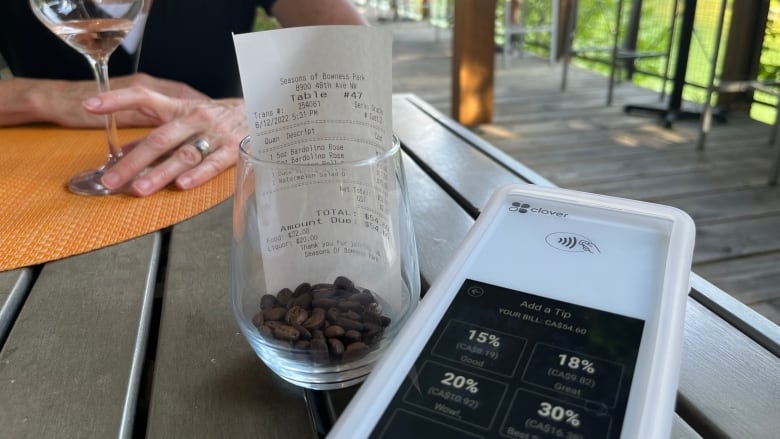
[324,261]
[94,28]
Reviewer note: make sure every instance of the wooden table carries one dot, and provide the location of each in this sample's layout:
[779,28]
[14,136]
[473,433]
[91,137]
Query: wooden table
[138,340]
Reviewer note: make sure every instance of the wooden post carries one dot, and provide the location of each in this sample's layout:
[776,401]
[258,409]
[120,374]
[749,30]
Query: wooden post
[473,61]
[743,49]
[564,15]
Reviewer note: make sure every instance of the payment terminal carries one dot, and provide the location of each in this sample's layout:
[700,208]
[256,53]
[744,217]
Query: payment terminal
[560,316]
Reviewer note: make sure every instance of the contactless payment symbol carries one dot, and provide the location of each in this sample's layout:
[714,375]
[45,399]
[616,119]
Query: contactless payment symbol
[571,242]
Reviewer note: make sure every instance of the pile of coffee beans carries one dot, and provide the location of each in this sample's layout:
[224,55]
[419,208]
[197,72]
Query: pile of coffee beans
[331,322]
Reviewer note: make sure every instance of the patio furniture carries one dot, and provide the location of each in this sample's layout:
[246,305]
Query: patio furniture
[522,27]
[713,86]
[617,55]
[673,111]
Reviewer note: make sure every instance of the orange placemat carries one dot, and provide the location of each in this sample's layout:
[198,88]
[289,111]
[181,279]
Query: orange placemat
[41,220]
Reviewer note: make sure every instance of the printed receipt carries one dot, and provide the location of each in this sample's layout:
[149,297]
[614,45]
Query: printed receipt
[309,90]
[322,96]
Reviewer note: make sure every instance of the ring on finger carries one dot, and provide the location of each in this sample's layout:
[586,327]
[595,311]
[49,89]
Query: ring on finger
[202,145]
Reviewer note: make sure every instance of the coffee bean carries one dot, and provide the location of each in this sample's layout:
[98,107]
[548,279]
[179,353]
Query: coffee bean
[304,301]
[331,322]
[319,350]
[374,307]
[284,296]
[316,319]
[275,314]
[332,315]
[342,294]
[273,324]
[335,347]
[371,329]
[265,331]
[352,336]
[348,324]
[258,319]
[352,315]
[304,288]
[372,317]
[287,333]
[296,315]
[355,350]
[324,303]
[364,298]
[305,334]
[333,331]
[372,333]
[322,290]
[268,301]
[350,305]
[343,283]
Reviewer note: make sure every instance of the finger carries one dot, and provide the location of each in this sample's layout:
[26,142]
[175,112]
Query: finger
[182,159]
[129,146]
[214,164]
[158,143]
[149,103]
[140,105]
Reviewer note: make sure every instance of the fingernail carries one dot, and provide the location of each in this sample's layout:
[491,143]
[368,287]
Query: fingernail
[110,180]
[142,186]
[93,102]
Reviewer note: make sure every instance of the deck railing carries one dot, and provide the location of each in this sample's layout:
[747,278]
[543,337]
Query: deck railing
[652,34]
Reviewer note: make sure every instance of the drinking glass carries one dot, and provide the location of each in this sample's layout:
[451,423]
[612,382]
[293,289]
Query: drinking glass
[95,28]
[324,262]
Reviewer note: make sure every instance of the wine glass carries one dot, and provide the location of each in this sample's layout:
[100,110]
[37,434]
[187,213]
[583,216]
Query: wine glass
[325,268]
[95,28]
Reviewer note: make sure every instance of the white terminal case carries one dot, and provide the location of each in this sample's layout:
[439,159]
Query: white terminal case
[561,315]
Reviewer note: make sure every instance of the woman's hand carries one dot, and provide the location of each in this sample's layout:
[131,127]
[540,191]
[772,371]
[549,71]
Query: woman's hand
[167,154]
[25,100]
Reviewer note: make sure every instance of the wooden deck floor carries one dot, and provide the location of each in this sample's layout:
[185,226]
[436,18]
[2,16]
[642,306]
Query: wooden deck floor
[576,141]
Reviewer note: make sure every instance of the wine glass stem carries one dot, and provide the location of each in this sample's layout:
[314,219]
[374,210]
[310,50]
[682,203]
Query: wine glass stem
[100,68]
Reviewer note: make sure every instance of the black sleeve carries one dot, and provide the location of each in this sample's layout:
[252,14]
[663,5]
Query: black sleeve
[32,50]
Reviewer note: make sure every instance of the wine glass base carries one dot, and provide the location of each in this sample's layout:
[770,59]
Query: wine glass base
[88,183]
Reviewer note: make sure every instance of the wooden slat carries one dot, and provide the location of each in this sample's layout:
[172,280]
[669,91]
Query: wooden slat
[442,151]
[474,142]
[737,314]
[681,430]
[730,385]
[71,364]
[719,375]
[208,383]
[750,280]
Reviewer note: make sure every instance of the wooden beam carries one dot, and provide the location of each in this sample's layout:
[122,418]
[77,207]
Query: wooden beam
[743,49]
[473,61]
[563,26]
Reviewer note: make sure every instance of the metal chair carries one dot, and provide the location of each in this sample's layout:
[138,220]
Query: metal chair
[522,28]
[770,88]
[617,55]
